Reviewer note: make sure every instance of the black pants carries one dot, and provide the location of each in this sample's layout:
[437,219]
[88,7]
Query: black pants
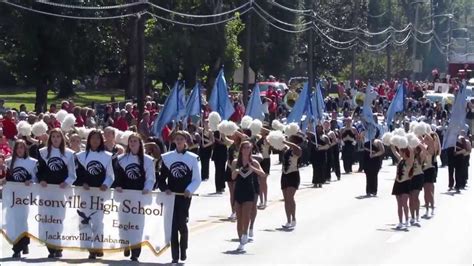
[180,220]
[451,166]
[371,175]
[360,157]
[220,174]
[319,164]
[21,244]
[327,168]
[205,157]
[348,157]
[336,165]
[53,250]
[460,172]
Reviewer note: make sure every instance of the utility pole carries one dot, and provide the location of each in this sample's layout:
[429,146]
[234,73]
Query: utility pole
[354,21]
[417,3]
[141,65]
[448,47]
[309,5]
[248,36]
[389,48]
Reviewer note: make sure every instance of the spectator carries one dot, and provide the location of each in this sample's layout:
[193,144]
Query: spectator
[2,108]
[22,116]
[77,113]
[90,118]
[4,146]
[144,126]
[129,115]
[166,133]
[108,116]
[9,126]
[52,108]
[23,108]
[121,122]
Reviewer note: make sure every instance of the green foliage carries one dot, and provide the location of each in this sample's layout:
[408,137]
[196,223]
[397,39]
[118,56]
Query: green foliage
[233,49]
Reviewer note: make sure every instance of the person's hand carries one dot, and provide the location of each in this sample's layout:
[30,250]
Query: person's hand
[85,186]
[168,192]
[43,184]
[187,194]
[119,189]
[27,183]
[63,185]
[145,191]
[103,187]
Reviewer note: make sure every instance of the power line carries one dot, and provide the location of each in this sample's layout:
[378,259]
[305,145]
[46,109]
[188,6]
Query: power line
[280,28]
[196,24]
[46,2]
[199,16]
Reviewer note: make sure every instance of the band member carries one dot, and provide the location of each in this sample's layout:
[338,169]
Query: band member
[319,144]
[290,178]
[460,165]
[110,144]
[180,174]
[205,150]
[219,156]
[429,170]
[245,172]
[21,168]
[373,155]
[136,172]
[264,148]
[401,187]
[335,136]
[416,184]
[56,165]
[232,153]
[94,169]
[348,134]
[194,139]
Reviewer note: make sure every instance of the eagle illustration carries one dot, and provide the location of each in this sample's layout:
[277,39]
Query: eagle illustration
[85,218]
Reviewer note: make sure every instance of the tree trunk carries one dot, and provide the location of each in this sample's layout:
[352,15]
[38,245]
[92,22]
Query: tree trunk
[132,60]
[65,88]
[41,96]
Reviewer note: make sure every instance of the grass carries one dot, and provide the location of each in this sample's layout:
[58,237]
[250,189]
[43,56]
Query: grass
[14,97]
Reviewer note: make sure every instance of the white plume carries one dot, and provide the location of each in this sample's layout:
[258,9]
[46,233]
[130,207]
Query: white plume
[277,125]
[39,128]
[68,122]
[214,120]
[400,142]
[399,132]
[124,137]
[413,140]
[413,125]
[386,138]
[227,128]
[420,129]
[83,132]
[61,115]
[256,127]
[24,128]
[275,138]
[118,135]
[292,129]
[246,121]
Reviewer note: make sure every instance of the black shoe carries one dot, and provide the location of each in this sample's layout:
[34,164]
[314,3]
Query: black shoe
[174,261]
[58,254]
[51,256]
[16,255]
[26,250]
[183,255]
[92,256]
[126,253]
[450,188]
[134,259]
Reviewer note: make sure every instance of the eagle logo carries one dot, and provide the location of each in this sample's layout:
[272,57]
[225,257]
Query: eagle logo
[179,170]
[95,168]
[56,164]
[85,220]
[20,174]
[132,171]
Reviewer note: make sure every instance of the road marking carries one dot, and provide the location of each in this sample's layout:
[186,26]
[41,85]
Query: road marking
[394,238]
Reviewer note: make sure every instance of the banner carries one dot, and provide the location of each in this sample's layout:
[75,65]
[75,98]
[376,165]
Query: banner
[441,87]
[87,219]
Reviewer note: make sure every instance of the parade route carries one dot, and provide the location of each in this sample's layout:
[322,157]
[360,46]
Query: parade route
[335,225]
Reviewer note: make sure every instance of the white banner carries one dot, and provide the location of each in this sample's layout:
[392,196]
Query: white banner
[87,219]
[441,87]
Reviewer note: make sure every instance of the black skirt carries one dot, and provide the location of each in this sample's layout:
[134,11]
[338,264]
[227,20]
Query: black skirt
[265,164]
[400,188]
[416,183]
[290,180]
[430,175]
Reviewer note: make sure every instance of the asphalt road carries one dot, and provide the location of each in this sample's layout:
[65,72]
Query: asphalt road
[335,225]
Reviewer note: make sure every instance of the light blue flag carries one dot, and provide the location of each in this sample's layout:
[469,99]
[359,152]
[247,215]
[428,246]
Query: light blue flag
[254,106]
[317,103]
[181,100]
[219,100]
[367,115]
[457,120]
[301,106]
[193,106]
[169,111]
[320,98]
[397,104]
